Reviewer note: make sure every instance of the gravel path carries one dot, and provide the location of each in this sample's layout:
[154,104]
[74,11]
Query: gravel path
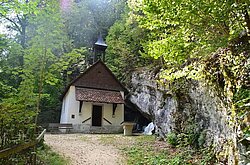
[84,149]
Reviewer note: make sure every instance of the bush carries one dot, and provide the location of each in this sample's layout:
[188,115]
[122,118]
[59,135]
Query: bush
[46,156]
[201,139]
[172,139]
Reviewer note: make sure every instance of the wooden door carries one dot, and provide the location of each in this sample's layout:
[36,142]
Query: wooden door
[97,115]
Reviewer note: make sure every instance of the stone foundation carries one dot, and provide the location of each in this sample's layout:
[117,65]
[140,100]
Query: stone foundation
[87,128]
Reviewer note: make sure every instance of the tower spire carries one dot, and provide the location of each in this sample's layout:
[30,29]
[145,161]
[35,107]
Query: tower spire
[99,49]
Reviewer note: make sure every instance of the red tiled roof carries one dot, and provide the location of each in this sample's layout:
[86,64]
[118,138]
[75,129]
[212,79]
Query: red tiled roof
[97,95]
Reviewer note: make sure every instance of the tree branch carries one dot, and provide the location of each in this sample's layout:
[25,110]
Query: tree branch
[12,21]
[247,19]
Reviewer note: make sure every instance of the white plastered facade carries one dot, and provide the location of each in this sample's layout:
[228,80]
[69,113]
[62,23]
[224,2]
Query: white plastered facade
[82,120]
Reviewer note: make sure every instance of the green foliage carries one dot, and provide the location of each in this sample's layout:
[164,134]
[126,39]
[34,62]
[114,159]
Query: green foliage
[3,43]
[176,160]
[189,28]
[201,139]
[19,159]
[228,73]
[19,7]
[68,64]
[30,74]
[193,135]
[47,156]
[145,155]
[16,122]
[242,103]
[188,136]
[147,151]
[208,156]
[124,52]
[33,64]
[41,53]
[15,16]
[85,19]
[5,91]
[10,66]
[188,139]
[172,139]
[203,40]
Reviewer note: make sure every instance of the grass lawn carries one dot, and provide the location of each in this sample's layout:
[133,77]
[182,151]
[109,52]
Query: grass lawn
[48,157]
[146,150]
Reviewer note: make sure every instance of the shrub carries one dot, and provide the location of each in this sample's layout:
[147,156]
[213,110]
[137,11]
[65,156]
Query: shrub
[201,139]
[172,139]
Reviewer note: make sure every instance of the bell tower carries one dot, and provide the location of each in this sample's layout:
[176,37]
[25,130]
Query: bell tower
[99,49]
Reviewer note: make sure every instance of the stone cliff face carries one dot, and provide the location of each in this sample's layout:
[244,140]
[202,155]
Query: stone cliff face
[181,106]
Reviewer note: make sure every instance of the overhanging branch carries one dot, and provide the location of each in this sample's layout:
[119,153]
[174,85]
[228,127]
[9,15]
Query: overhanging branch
[247,19]
[11,21]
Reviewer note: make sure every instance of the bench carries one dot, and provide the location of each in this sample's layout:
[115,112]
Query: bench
[54,127]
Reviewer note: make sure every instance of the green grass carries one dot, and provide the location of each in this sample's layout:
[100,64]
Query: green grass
[107,139]
[48,157]
[146,151]
[85,138]
[142,152]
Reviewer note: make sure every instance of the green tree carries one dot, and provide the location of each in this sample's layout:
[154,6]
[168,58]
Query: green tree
[180,30]
[15,16]
[208,40]
[125,47]
[85,19]
[46,47]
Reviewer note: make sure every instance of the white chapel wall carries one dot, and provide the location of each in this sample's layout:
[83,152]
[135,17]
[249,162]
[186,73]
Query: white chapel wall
[108,114]
[86,113]
[71,107]
[64,109]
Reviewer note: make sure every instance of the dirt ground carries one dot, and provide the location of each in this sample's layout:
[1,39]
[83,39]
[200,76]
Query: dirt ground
[86,149]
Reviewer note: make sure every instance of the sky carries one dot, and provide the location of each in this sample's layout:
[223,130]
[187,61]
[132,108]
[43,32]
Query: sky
[65,5]
[3,30]
[3,23]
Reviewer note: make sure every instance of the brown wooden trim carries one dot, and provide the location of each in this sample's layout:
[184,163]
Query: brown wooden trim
[114,108]
[87,70]
[107,121]
[98,88]
[80,106]
[86,120]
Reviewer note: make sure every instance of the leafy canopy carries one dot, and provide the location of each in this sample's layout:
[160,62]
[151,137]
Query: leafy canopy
[185,29]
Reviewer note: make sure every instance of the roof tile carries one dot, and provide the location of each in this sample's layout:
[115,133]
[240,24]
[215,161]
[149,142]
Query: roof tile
[97,95]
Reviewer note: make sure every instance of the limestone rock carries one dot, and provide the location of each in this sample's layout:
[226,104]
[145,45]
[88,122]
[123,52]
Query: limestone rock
[192,103]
